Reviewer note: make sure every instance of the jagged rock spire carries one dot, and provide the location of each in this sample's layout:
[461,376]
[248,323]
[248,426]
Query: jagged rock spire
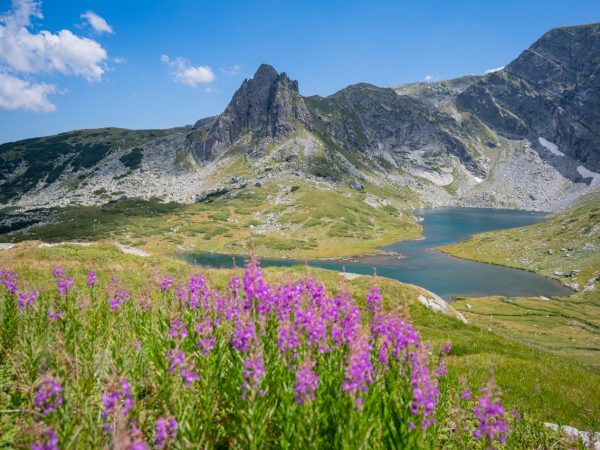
[267,106]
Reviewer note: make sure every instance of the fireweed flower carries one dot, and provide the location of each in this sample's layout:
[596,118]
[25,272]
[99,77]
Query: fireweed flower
[447,347]
[118,299]
[178,329]
[175,358]
[425,392]
[374,302]
[198,292]
[92,278]
[27,298]
[165,432]
[254,370]
[307,382]
[116,400]
[207,340]
[64,283]
[441,370]
[48,395]
[489,413]
[136,438]
[287,337]
[466,395]
[48,441]
[9,280]
[166,284]
[187,369]
[53,315]
[244,336]
[359,371]
[189,374]
[258,293]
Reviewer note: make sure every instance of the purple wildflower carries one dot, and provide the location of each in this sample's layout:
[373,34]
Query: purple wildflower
[189,374]
[136,438]
[48,395]
[307,382]
[359,371]
[52,315]
[176,358]
[254,370]
[466,395]
[489,413]
[447,347]
[166,284]
[9,280]
[165,432]
[441,370]
[258,291]
[64,283]
[178,329]
[49,441]
[118,299]
[117,400]
[187,369]
[425,391]
[27,298]
[207,340]
[244,336]
[374,302]
[92,278]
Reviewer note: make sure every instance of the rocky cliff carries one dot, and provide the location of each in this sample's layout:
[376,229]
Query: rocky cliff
[266,108]
[550,95]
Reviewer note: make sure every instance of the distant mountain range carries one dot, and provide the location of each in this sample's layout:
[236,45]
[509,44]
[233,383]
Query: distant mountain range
[525,136]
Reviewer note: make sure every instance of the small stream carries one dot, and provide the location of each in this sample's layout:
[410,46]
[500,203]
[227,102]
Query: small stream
[418,262]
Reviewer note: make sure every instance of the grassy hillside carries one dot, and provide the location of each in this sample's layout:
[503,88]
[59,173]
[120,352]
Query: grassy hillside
[26,164]
[545,386]
[291,218]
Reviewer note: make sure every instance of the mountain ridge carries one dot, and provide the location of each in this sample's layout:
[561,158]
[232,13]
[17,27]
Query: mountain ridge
[519,137]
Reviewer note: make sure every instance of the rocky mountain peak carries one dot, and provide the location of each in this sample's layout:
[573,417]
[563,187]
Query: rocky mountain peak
[550,92]
[266,108]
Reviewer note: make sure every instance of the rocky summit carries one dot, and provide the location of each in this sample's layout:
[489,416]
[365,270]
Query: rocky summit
[525,136]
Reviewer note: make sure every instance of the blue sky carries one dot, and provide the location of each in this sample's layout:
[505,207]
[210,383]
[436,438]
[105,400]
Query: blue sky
[110,73]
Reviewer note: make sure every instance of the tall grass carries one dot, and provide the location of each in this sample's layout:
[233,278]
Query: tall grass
[181,365]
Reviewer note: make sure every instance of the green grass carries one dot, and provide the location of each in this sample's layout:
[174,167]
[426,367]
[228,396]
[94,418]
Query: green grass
[546,386]
[299,220]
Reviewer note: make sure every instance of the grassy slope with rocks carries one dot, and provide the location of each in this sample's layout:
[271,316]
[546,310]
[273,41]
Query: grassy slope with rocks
[547,387]
[287,218]
[565,247]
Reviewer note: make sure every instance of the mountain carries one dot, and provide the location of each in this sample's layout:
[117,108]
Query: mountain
[525,136]
[265,108]
[550,93]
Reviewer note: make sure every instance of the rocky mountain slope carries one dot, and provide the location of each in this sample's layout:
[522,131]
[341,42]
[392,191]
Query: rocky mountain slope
[525,136]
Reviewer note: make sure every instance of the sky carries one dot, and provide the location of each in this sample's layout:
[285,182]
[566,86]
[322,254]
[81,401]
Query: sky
[74,64]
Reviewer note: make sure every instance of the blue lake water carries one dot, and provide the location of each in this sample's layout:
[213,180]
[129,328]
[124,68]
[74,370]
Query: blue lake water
[418,263]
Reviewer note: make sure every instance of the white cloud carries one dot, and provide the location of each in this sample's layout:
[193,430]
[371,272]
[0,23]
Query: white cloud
[23,51]
[20,94]
[181,71]
[98,23]
[494,70]
[429,78]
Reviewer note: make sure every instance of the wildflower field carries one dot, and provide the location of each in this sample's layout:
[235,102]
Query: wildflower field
[174,362]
